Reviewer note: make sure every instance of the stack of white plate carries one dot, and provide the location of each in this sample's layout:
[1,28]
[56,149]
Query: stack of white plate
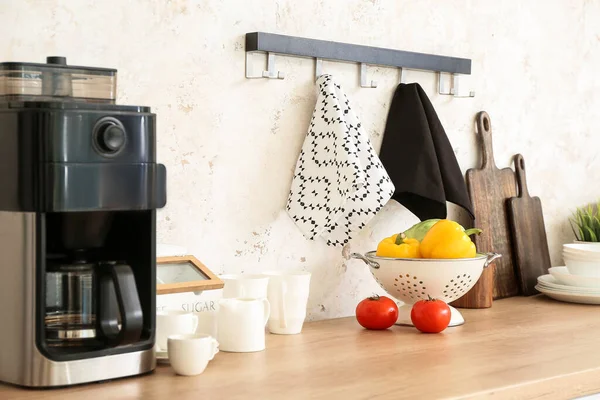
[579,280]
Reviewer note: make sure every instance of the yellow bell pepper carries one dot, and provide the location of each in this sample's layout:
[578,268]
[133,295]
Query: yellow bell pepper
[448,239]
[398,247]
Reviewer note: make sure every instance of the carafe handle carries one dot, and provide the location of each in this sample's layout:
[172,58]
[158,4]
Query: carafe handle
[119,281]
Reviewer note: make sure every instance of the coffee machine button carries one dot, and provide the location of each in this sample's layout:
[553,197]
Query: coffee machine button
[109,136]
[113,138]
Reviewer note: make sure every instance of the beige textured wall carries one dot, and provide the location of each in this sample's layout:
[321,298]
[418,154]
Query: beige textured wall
[230,144]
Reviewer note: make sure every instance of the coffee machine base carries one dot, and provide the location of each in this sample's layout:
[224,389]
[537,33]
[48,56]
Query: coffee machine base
[43,373]
[21,362]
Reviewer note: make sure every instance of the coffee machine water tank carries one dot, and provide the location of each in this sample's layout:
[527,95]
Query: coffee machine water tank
[81,187]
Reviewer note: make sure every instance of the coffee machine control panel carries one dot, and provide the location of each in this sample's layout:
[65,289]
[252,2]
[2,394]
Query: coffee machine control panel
[109,136]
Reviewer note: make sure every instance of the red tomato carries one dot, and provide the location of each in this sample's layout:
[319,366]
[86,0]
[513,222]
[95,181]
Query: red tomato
[430,316]
[377,312]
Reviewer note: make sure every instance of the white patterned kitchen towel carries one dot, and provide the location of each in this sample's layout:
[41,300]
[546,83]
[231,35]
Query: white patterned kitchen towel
[339,183]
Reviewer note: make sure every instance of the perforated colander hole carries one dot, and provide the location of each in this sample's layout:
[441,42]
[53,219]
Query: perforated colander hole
[396,279]
[414,277]
[421,282]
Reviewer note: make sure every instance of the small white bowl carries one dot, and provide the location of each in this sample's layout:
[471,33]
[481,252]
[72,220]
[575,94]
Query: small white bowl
[583,268]
[589,249]
[586,243]
[579,257]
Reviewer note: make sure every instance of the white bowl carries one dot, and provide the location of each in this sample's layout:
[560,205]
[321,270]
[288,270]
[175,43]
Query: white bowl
[578,257]
[583,253]
[562,275]
[583,268]
[586,243]
[586,252]
[412,279]
[586,249]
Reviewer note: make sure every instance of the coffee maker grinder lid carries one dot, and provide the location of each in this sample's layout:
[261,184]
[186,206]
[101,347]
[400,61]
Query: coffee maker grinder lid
[57,81]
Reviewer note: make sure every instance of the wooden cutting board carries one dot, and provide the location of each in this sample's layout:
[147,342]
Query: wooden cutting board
[530,243]
[489,188]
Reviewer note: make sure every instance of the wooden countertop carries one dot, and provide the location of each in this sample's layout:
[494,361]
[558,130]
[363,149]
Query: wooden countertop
[520,348]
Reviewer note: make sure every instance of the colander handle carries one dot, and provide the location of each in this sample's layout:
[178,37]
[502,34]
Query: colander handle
[370,263]
[490,258]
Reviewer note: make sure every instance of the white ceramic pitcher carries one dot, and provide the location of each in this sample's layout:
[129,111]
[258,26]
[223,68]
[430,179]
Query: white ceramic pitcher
[241,324]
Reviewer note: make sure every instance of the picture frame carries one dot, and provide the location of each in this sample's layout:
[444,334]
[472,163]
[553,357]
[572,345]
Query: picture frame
[180,274]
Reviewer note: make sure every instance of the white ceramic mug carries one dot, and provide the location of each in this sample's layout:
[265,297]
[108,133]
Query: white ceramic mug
[190,354]
[172,322]
[241,324]
[244,286]
[288,295]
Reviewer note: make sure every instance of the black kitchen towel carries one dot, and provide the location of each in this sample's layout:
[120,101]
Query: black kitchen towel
[418,157]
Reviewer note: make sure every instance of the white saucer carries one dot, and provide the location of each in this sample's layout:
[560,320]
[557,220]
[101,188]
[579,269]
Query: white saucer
[550,282]
[570,297]
[563,276]
[162,357]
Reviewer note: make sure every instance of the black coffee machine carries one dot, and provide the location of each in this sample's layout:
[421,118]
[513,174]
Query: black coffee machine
[79,191]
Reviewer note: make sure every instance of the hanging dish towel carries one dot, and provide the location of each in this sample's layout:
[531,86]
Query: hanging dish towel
[419,157]
[339,183]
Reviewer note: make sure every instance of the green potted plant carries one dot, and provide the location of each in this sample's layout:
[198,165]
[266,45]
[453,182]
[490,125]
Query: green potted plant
[586,224]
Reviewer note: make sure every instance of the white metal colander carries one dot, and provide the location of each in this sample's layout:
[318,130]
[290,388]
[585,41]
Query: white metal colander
[412,279]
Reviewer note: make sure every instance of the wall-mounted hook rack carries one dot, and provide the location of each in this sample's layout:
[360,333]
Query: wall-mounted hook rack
[326,50]
[363,77]
[454,86]
[402,75]
[318,67]
[271,71]
[250,67]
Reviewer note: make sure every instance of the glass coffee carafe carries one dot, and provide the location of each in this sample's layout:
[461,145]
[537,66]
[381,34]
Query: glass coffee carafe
[91,304]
